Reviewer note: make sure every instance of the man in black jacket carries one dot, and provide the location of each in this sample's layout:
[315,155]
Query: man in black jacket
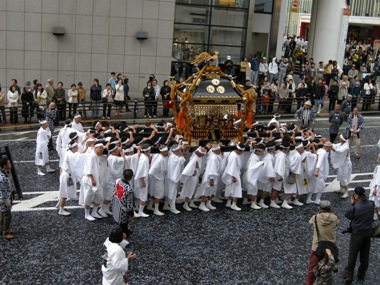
[360,212]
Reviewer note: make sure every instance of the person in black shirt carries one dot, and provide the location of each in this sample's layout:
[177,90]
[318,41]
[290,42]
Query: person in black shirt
[360,212]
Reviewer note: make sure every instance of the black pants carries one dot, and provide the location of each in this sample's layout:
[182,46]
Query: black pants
[124,227]
[154,105]
[72,106]
[13,115]
[333,137]
[148,108]
[359,243]
[5,222]
[61,108]
[3,118]
[105,107]
[332,103]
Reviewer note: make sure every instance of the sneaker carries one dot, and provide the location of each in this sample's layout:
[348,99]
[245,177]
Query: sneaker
[108,118]
[235,208]
[344,196]
[63,212]
[41,173]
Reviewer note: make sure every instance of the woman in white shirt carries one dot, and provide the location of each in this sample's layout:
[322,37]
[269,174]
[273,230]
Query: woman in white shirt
[12,98]
[40,95]
[369,92]
[107,100]
[119,96]
[115,264]
[72,95]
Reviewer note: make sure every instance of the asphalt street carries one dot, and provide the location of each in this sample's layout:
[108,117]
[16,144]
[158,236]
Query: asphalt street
[219,247]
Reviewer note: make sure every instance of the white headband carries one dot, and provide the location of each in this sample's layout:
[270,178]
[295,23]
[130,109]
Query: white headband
[343,138]
[113,149]
[90,140]
[77,116]
[299,146]
[184,142]
[43,122]
[216,148]
[72,145]
[75,137]
[239,147]
[107,131]
[176,148]
[146,149]
[200,151]
[125,129]
[99,145]
[125,142]
[325,144]
[164,149]
[97,123]
[278,140]
[273,146]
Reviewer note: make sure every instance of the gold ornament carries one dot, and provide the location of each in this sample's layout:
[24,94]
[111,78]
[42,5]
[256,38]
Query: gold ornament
[210,89]
[215,82]
[220,89]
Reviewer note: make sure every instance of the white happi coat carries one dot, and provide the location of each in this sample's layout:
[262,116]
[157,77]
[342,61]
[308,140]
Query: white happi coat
[323,165]
[233,168]
[157,174]
[77,126]
[91,167]
[189,180]
[212,171]
[295,164]
[115,168]
[375,184]
[310,162]
[340,160]
[282,170]
[116,266]
[131,162]
[142,171]
[62,142]
[66,191]
[266,179]
[42,141]
[252,174]
[175,167]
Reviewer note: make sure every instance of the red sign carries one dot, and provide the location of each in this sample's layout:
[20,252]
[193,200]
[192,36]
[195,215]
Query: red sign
[295,3]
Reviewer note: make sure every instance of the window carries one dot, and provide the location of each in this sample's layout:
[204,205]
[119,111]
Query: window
[264,6]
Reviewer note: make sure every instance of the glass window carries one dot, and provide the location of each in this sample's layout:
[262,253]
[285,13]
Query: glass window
[227,36]
[232,3]
[264,6]
[192,15]
[194,2]
[235,52]
[228,17]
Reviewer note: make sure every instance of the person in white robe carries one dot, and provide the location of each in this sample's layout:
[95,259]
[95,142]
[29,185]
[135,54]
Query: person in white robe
[116,262]
[231,177]
[321,170]
[275,120]
[310,162]
[157,173]
[76,124]
[251,176]
[115,168]
[374,194]
[42,152]
[141,179]
[67,178]
[176,163]
[91,191]
[190,176]
[62,141]
[266,179]
[341,161]
[210,178]
[283,179]
[295,164]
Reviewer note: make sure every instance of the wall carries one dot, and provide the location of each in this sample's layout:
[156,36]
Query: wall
[99,38]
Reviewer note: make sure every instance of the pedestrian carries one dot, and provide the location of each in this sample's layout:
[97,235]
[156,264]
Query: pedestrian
[354,126]
[50,91]
[119,97]
[306,115]
[327,223]
[107,100]
[96,97]
[149,96]
[50,115]
[42,152]
[115,265]
[346,107]
[336,119]
[82,100]
[27,100]
[127,98]
[72,95]
[165,97]
[5,199]
[60,101]
[3,117]
[12,98]
[360,214]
